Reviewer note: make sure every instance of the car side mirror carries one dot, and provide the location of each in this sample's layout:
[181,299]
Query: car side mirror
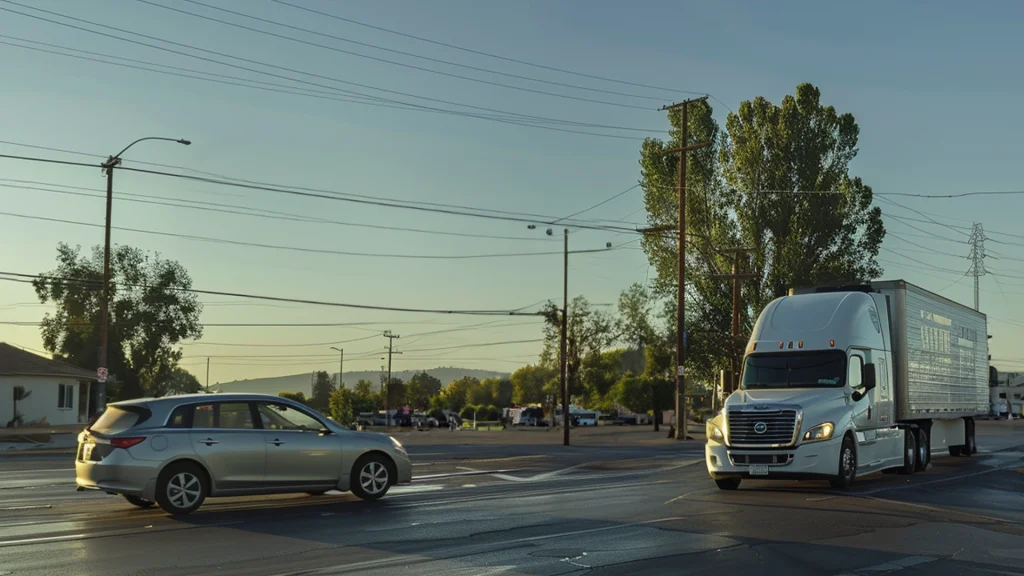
[326,432]
[869,378]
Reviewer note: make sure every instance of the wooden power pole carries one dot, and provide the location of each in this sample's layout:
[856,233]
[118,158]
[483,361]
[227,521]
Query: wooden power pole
[736,278]
[681,428]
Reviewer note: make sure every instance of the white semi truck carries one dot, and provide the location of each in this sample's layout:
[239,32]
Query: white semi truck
[839,382]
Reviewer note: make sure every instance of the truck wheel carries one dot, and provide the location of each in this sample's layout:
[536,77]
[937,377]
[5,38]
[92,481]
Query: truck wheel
[909,452]
[924,450]
[728,483]
[972,444]
[847,465]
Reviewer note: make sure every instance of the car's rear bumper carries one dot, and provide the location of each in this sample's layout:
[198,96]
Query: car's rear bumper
[118,473]
[811,461]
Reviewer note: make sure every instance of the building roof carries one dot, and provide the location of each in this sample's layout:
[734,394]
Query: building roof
[17,362]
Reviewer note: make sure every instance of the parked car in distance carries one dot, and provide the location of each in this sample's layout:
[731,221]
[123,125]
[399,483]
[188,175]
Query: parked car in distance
[177,451]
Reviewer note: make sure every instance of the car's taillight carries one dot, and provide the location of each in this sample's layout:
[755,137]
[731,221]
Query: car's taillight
[126,442]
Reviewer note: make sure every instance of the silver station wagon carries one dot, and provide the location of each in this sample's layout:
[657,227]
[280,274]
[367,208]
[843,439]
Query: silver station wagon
[179,450]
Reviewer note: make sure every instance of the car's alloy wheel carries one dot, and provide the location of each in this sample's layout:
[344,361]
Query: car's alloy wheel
[372,476]
[182,488]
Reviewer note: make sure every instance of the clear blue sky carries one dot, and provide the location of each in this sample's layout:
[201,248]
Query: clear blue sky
[933,86]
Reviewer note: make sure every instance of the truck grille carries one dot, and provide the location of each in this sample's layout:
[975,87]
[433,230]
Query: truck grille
[778,427]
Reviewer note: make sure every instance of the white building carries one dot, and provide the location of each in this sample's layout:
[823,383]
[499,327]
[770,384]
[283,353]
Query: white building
[53,390]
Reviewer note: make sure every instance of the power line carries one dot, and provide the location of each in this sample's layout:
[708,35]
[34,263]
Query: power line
[519,119]
[297,191]
[21,277]
[480,52]
[240,210]
[601,203]
[299,248]
[250,345]
[378,59]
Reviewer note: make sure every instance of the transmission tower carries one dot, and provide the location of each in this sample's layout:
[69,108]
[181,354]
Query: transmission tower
[977,257]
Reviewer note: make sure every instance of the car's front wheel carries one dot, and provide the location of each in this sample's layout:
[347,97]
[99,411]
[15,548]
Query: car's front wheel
[181,488]
[372,476]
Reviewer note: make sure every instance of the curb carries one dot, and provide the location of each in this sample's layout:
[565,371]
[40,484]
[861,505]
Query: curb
[37,452]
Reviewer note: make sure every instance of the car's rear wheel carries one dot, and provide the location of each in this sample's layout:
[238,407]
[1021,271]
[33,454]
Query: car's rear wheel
[372,476]
[181,488]
[136,501]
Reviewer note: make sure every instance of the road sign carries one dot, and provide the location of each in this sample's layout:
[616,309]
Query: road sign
[680,371]
[101,374]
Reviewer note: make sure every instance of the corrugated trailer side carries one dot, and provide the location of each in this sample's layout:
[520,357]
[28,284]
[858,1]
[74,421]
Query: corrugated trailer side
[940,354]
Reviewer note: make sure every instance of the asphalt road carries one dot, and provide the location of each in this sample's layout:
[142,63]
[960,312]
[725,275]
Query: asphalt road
[547,510]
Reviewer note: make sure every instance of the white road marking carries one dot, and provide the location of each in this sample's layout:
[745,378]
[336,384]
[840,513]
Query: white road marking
[930,482]
[465,472]
[24,472]
[30,507]
[889,567]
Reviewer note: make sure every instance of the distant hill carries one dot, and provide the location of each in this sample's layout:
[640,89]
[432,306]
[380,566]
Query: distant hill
[304,382]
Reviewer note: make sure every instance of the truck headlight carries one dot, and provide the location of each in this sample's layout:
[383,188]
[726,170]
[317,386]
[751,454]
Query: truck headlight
[819,433]
[714,433]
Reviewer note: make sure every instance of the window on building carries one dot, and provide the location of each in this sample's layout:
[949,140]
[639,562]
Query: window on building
[66,396]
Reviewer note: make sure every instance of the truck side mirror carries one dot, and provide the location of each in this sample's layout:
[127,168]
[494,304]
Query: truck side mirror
[868,383]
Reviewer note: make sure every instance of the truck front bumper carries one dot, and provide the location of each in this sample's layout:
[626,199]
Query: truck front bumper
[818,460]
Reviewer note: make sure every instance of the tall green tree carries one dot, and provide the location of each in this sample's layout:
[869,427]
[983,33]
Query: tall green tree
[588,332]
[323,387]
[342,406]
[528,383]
[150,312]
[808,220]
[456,394]
[421,388]
[777,182]
[181,381]
[365,398]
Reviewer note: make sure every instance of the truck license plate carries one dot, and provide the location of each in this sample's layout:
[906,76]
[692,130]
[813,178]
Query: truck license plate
[759,470]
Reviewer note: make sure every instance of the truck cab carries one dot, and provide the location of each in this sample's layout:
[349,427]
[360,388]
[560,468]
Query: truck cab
[818,395]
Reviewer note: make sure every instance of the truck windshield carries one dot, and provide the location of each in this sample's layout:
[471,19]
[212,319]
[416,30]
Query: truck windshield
[825,369]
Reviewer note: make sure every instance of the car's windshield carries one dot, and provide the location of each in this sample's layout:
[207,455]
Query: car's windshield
[825,369]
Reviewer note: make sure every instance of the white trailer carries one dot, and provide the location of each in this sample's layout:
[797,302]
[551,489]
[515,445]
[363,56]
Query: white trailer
[842,382]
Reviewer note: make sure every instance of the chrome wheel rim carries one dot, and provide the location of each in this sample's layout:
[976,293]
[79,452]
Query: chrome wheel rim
[183,490]
[374,478]
[847,462]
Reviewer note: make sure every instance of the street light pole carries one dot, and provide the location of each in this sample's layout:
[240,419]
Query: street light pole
[341,366]
[109,166]
[562,344]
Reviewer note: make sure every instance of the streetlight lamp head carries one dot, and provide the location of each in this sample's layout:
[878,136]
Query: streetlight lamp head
[549,231]
[185,142]
[532,226]
[607,244]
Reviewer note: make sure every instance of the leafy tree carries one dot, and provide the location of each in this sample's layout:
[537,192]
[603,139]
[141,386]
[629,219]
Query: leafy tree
[635,325]
[588,332]
[481,394]
[323,387]
[421,388]
[468,411]
[602,371]
[150,312]
[296,396]
[342,406]
[456,394]
[743,191]
[800,239]
[364,398]
[635,393]
[396,393]
[490,413]
[181,381]
[501,391]
[529,381]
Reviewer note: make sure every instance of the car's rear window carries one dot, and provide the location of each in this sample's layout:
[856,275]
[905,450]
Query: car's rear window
[115,420]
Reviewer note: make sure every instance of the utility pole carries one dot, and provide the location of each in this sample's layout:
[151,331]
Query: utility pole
[341,366]
[102,368]
[977,257]
[391,343]
[680,404]
[736,278]
[207,374]
[563,340]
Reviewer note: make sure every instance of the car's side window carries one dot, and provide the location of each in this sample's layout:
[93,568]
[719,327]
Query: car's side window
[203,416]
[181,417]
[236,416]
[281,417]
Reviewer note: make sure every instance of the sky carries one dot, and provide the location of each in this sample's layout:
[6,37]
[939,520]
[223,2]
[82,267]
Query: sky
[931,84]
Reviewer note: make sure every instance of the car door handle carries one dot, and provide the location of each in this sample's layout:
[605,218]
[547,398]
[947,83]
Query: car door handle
[209,442]
[276,442]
